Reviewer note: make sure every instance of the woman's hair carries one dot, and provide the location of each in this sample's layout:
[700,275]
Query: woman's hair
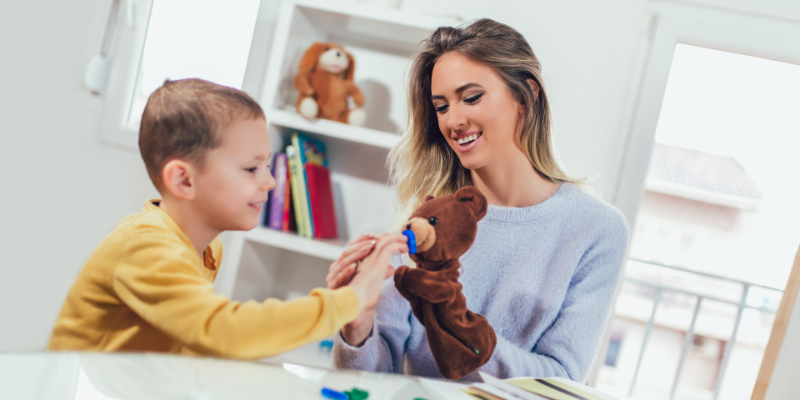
[423,163]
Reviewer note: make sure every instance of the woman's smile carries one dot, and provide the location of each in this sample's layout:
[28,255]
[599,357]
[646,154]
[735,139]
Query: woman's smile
[466,141]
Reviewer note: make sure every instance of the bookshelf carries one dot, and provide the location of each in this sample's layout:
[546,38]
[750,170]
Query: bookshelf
[266,263]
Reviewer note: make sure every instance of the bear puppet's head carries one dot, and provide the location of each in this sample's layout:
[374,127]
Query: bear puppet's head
[445,226]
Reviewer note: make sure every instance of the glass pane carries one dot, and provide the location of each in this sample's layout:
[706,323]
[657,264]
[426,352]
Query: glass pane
[205,39]
[716,217]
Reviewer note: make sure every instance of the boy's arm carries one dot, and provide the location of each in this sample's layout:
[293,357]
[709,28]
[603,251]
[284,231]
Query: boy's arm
[159,280]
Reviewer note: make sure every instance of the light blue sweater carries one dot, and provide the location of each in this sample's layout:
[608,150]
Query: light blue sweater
[544,276]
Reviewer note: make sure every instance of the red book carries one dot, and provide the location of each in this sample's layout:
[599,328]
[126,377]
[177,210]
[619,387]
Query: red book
[287,223]
[320,194]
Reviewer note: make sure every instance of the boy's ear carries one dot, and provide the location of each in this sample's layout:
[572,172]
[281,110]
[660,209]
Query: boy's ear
[178,179]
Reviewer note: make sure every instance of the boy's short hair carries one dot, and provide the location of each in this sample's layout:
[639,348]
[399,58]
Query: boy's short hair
[185,119]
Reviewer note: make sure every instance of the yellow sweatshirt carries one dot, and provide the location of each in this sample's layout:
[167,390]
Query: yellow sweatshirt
[145,288]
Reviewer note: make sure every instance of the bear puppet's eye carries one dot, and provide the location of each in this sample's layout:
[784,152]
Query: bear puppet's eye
[433,220]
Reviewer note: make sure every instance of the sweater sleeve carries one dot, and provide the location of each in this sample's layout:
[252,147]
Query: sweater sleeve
[385,347]
[158,277]
[567,347]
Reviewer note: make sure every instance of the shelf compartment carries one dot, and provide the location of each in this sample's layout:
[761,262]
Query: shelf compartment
[320,248]
[338,130]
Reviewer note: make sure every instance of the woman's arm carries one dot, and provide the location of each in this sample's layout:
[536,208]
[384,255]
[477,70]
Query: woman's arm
[567,347]
[384,347]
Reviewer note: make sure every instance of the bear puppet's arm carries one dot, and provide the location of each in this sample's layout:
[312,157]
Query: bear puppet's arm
[431,286]
[302,82]
[356,93]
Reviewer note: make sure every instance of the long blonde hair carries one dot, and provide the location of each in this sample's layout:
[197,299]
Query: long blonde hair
[423,163]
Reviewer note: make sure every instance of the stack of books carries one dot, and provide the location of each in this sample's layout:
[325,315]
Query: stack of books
[302,200]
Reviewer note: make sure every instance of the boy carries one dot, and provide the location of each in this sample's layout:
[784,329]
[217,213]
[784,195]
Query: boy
[149,284]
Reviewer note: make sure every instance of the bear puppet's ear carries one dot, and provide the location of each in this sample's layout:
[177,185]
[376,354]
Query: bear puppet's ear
[311,56]
[474,199]
[429,197]
[351,69]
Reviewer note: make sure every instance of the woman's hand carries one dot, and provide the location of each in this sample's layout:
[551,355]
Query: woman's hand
[369,276]
[342,270]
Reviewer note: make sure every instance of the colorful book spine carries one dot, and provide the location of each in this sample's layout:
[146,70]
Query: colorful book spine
[320,194]
[278,195]
[299,192]
[312,151]
[288,211]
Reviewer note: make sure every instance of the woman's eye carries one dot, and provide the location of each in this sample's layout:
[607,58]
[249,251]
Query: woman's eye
[473,99]
[441,108]
[433,221]
[253,169]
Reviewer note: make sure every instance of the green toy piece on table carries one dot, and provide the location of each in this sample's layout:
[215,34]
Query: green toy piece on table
[357,394]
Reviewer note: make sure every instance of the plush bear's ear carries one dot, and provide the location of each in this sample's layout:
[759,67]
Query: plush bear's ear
[311,56]
[428,197]
[474,199]
[351,69]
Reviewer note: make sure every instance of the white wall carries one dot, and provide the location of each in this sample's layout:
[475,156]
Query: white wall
[62,190]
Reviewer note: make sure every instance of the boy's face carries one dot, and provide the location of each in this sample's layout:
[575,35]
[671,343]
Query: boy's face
[232,186]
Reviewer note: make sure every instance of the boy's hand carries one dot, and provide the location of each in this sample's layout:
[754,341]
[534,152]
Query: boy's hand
[370,274]
[342,270]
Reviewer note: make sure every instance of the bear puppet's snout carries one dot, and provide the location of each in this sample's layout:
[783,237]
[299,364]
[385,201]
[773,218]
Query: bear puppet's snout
[424,232]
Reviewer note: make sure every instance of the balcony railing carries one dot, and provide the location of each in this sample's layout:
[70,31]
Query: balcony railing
[658,288]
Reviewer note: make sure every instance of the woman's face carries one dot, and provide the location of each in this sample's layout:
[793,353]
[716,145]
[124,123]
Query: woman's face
[478,115]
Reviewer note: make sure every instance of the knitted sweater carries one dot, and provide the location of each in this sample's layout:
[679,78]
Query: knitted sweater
[544,276]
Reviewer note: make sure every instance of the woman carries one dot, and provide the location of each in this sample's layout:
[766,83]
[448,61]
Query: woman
[545,263]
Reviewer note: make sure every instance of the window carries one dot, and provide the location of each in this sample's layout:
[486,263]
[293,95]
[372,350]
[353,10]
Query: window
[224,42]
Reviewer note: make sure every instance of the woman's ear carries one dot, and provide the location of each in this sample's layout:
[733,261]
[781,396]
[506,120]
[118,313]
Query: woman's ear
[350,69]
[522,109]
[534,88]
[178,179]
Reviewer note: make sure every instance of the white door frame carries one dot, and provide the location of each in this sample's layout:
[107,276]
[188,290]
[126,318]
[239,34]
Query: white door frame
[756,36]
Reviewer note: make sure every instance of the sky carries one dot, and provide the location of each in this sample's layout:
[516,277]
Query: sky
[748,108]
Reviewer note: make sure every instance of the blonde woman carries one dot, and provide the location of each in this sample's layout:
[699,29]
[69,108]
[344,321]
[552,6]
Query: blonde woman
[547,256]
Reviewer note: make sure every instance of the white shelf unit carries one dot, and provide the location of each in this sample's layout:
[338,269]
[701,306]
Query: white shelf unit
[265,263]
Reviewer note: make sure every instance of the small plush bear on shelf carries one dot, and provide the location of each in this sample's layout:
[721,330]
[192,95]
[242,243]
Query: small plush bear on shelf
[324,82]
[440,231]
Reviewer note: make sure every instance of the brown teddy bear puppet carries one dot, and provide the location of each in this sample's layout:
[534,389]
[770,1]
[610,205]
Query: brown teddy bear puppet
[442,229]
[325,80]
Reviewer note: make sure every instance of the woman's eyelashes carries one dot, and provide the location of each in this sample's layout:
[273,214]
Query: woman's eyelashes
[251,169]
[442,108]
[473,99]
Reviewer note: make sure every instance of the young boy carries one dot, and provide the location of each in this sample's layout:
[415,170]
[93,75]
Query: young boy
[149,284]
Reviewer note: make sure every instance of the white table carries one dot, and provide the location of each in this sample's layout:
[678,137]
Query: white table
[101,376]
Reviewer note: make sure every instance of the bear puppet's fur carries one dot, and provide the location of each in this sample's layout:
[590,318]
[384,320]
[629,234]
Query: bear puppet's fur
[324,82]
[445,227]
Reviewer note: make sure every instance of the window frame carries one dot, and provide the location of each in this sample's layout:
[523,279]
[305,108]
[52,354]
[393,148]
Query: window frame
[742,33]
[126,55]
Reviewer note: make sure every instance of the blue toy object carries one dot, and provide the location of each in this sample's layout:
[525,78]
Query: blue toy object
[412,241]
[333,394]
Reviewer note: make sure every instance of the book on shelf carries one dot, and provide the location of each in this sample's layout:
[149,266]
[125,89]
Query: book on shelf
[320,194]
[320,199]
[299,192]
[288,224]
[278,195]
